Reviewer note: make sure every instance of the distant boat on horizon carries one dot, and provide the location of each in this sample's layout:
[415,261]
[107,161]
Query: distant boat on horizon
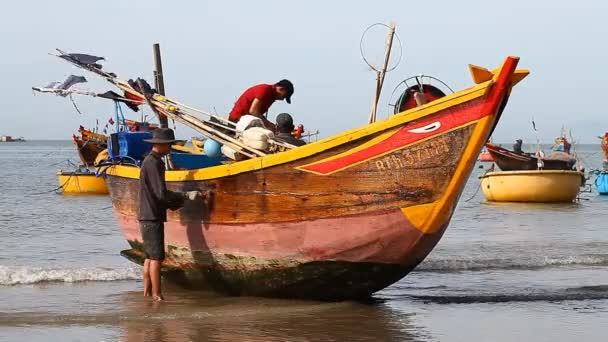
[8,138]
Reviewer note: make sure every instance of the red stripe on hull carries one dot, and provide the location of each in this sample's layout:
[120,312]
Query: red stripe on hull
[447,120]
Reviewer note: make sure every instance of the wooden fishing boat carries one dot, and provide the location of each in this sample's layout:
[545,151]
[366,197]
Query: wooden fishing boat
[541,186]
[336,219]
[508,160]
[561,143]
[89,144]
[81,182]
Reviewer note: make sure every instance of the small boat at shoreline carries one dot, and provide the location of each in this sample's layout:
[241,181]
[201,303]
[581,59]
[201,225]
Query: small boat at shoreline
[508,160]
[541,186]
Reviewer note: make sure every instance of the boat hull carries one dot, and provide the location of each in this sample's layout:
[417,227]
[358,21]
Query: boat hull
[73,182]
[337,219]
[317,259]
[510,161]
[541,186]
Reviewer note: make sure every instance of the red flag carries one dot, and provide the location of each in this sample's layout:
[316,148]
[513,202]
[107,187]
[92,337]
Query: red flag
[111,121]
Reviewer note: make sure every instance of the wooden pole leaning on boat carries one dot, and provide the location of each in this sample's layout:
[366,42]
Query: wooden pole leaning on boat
[218,136]
[164,109]
[213,133]
[382,72]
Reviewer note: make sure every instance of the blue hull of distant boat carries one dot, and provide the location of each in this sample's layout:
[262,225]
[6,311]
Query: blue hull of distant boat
[601,183]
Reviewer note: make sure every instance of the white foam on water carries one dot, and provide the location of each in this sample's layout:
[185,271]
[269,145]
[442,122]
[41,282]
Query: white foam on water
[14,275]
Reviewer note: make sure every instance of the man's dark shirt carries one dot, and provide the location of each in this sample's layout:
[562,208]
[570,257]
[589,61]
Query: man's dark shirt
[290,139]
[154,198]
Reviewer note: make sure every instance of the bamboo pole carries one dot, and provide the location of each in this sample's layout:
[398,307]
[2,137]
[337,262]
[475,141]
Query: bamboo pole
[381,74]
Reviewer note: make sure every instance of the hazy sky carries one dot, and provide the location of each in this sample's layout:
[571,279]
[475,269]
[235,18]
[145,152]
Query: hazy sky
[213,50]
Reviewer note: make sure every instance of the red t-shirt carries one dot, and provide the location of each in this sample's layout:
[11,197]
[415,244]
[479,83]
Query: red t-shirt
[263,92]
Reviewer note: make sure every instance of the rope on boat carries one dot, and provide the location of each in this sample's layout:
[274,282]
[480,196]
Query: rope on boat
[74,104]
[54,190]
[67,161]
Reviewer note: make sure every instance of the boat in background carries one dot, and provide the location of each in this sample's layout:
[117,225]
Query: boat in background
[601,181]
[8,138]
[81,181]
[604,145]
[540,186]
[485,156]
[89,144]
[601,176]
[561,143]
[508,160]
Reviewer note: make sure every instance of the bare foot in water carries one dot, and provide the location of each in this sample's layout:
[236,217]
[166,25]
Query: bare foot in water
[147,294]
[159,298]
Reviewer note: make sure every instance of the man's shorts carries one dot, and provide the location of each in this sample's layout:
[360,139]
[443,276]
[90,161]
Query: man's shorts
[153,234]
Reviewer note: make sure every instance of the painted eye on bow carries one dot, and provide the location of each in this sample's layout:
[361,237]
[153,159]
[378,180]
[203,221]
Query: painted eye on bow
[428,128]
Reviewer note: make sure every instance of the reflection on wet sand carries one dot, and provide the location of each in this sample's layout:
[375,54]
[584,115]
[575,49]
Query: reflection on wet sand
[190,317]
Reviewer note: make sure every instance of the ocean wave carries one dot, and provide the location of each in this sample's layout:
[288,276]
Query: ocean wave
[530,263]
[15,275]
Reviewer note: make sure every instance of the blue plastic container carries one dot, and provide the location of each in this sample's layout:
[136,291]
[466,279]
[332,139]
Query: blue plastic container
[192,161]
[129,144]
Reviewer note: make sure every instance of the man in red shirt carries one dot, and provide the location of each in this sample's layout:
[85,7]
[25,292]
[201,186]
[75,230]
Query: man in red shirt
[258,99]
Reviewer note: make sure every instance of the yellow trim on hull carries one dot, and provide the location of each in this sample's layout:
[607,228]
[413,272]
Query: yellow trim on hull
[429,217]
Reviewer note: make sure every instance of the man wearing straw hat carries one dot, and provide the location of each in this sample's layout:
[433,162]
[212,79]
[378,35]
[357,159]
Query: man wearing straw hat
[257,100]
[154,200]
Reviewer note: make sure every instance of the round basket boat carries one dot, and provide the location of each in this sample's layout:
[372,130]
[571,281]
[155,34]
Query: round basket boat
[541,186]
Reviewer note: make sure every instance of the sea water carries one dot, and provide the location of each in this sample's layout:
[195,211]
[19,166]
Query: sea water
[502,272]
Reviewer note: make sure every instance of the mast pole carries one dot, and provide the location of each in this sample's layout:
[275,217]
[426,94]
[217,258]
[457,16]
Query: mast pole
[382,72]
[159,81]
